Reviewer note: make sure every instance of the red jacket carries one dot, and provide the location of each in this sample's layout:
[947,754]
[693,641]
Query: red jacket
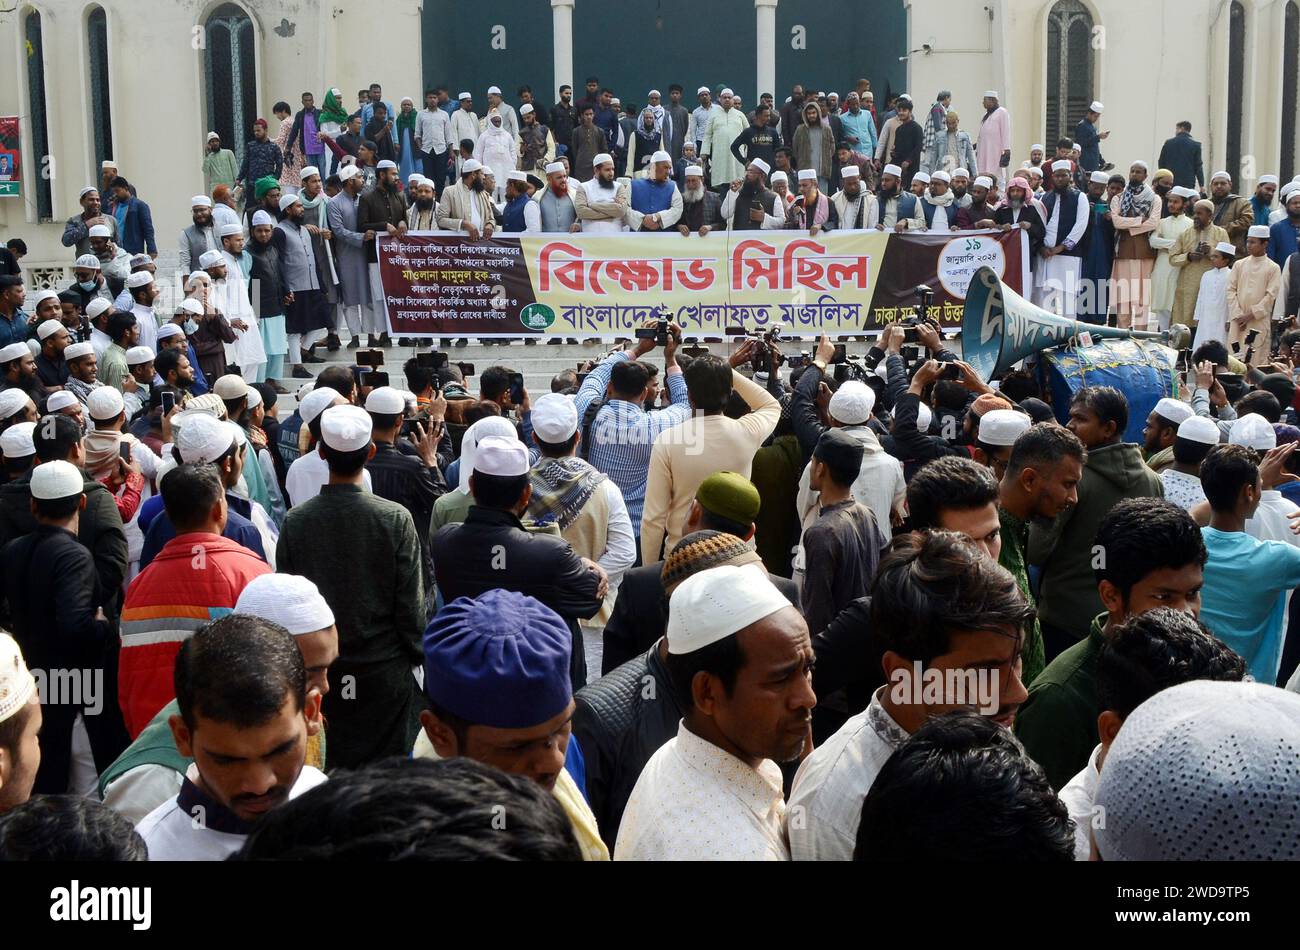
[194,579]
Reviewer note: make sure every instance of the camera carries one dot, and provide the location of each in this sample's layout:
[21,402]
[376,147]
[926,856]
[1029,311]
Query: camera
[798,360]
[371,358]
[766,351]
[658,332]
[431,360]
[853,368]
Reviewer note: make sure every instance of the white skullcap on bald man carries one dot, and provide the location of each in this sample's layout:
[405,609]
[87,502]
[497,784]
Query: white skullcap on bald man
[718,603]
[852,403]
[202,438]
[345,428]
[291,601]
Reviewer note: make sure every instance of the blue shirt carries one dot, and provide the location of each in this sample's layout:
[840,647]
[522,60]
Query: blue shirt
[862,126]
[13,331]
[238,529]
[1283,241]
[368,113]
[623,433]
[1243,602]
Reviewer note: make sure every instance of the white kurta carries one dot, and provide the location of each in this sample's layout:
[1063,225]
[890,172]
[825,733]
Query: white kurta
[497,149]
[148,323]
[1164,277]
[1212,307]
[247,352]
[1058,276]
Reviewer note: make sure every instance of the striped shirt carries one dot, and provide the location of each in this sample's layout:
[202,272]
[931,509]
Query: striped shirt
[623,433]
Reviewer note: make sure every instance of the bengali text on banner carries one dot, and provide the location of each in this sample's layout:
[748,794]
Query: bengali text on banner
[575,285]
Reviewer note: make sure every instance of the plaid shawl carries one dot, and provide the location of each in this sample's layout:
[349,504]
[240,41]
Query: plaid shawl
[561,487]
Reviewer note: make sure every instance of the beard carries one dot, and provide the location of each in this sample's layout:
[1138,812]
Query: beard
[692,195]
[887,193]
[607,185]
[424,204]
[478,184]
[1016,203]
[1062,189]
[748,189]
[959,193]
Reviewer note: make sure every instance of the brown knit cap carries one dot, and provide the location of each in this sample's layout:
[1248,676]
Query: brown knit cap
[701,551]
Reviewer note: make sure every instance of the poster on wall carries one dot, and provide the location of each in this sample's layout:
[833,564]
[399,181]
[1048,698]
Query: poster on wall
[11,179]
[844,282]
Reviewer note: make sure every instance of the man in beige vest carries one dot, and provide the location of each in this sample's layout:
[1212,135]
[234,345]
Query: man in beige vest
[581,501]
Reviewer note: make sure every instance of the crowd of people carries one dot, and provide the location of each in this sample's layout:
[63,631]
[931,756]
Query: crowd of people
[847,608]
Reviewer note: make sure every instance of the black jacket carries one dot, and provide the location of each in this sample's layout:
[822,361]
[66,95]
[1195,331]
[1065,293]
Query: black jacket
[847,659]
[563,120]
[404,479]
[467,561]
[621,720]
[100,530]
[1182,156]
[640,614]
[1037,228]
[52,594]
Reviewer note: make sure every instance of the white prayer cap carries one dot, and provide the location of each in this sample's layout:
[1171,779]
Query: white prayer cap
[303,390]
[202,437]
[13,399]
[1289,189]
[942,176]
[555,418]
[41,296]
[75,351]
[292,601]
[1139,163]
[1199,429]
[464,95]
[1181,192]
[554,167]
[100,230]
[491,426]
[139,260]
[57,479]
[849,171]
[718,603]
[14,351]
[85,191]
[852,403]
[807,174]
[230,386]
[48,329]
[1064,165]
[922,177]
[230,229]
[212,258]
[141,278]
[1037,148]
[16,443]
[1268,179]
[1098,107]
[526,108]
[288,199]
[200,201]
[514,175]
[261,217]
[776,176]
[316,402]
[726,92]
[494,91]
[1203,771]
[470,165]
[345,428]
[960,173]
[105,403]
[344,173]
[386,164]
[311,171]
[662,156]
[190,305]
[1001,427]
[213,135]
[1254,432]
[758,163]
[168,330]
[983,181]
[1226,247]
[894,170]
[97,306]
[386,401]
[604,158]
[702,90]
[1224,175]
[923,417]
[1258,231]
[652,92]
[17,685]
[60,400]
[139,355]
[1174,410]
[108,163]
[498,455]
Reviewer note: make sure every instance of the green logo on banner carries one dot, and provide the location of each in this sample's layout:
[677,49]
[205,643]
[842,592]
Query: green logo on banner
[537,316]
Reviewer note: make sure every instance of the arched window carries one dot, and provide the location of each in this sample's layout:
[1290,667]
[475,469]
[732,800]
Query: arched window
[97,62]
[1070,68]
[1236,86]
[230,75]
[1290,88]
[36,116]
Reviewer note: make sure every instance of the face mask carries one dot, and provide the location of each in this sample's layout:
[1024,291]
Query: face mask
[88,285]
[191,327]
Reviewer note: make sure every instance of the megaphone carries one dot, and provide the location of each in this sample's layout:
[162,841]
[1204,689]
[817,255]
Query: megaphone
[999,328]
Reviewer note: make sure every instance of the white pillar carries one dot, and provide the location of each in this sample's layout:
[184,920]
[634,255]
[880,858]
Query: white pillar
[765,11]
[562,26]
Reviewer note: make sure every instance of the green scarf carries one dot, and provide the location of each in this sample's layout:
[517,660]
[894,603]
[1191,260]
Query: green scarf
[334,111]
[405,120]
[561,487]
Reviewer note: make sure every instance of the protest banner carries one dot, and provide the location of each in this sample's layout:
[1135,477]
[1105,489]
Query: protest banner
[575,285]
